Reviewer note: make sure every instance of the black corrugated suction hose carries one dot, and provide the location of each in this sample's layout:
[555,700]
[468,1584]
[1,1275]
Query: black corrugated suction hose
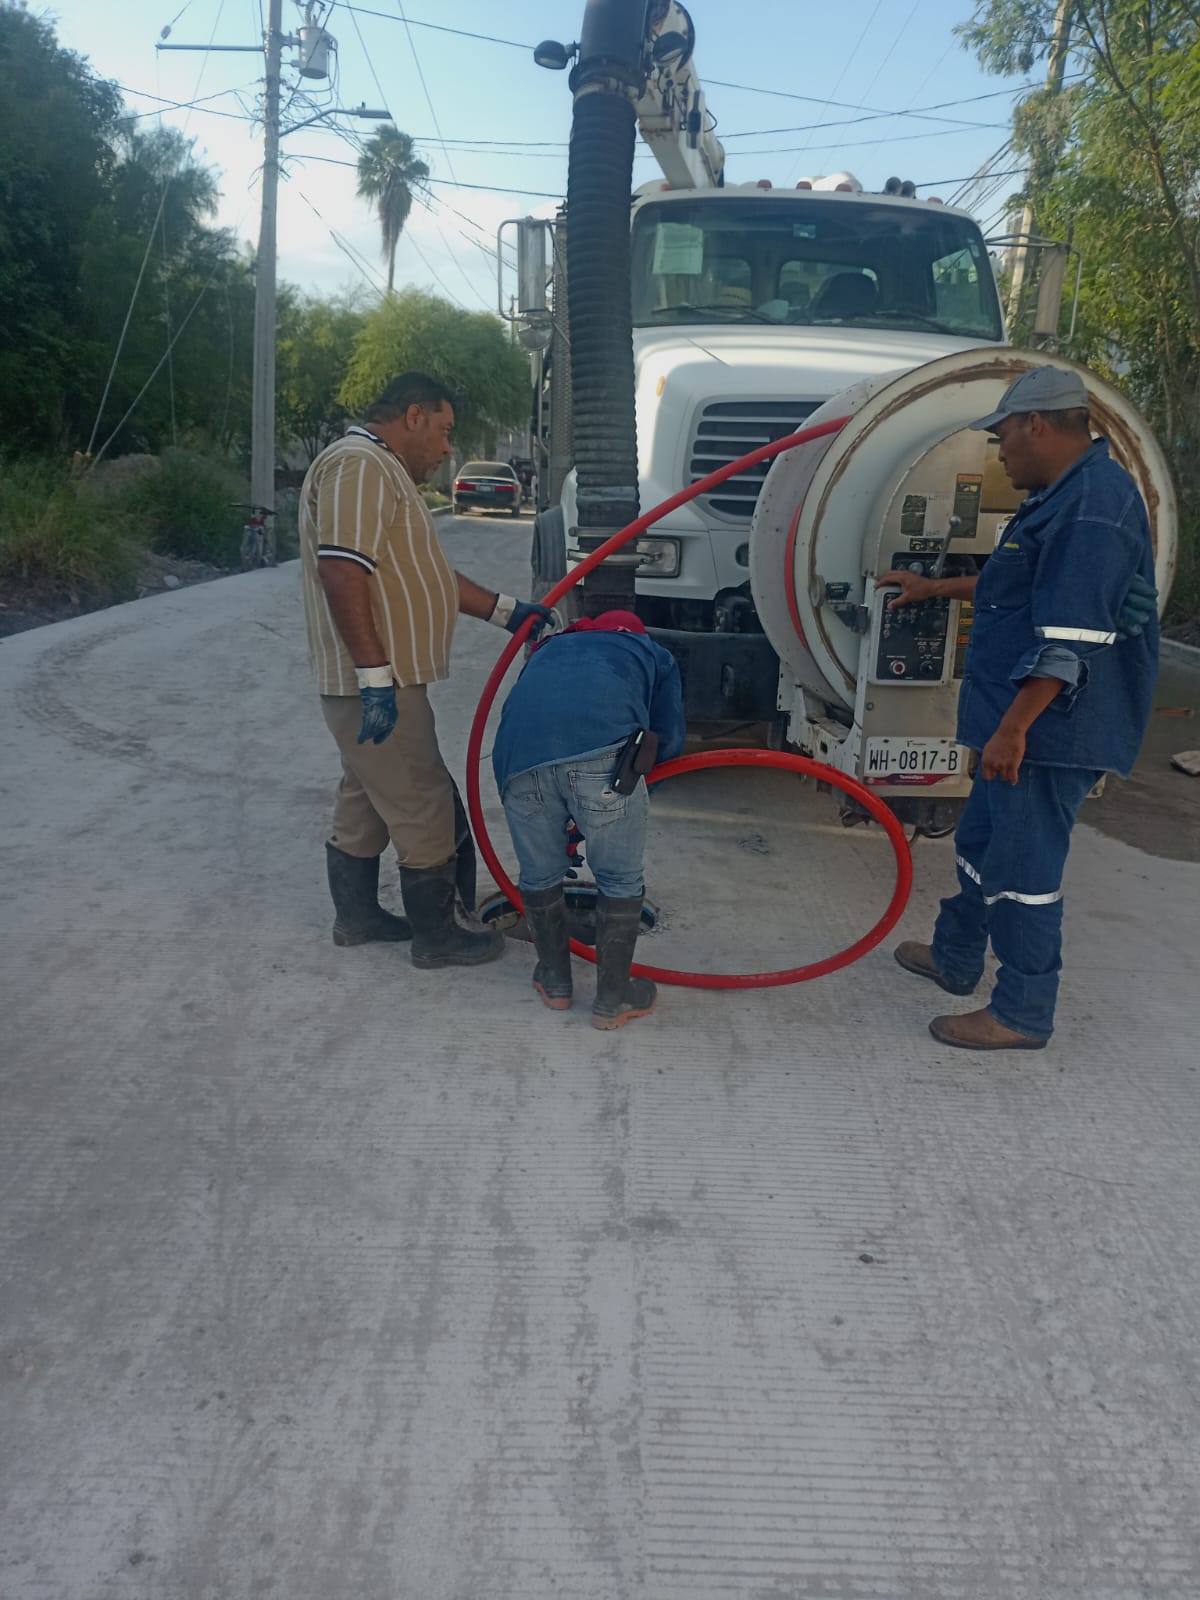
[598,288]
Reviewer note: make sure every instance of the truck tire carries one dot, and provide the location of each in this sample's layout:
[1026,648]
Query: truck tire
[548,553]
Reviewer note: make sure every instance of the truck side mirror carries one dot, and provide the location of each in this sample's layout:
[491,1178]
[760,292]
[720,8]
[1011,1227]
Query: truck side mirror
[531,267]
[531,302]
[1053,274]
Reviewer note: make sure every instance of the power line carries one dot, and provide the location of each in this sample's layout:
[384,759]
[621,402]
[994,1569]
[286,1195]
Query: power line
[162,200]
[424,86]
[184,105]
[436,27]
[891,49]
[179,332]
[486,188]
[925,112]
[857,144]
[845,65]
[941,183]
[383,99]
[176,105]
[934,70]
[355,258]
[412,45]
[511,146]
[722,83]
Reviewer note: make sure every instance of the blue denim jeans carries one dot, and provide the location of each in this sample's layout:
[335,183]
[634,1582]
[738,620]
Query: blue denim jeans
[1011,847]
[538,805]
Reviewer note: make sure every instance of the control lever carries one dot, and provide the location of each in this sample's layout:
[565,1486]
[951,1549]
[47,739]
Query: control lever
[954,530]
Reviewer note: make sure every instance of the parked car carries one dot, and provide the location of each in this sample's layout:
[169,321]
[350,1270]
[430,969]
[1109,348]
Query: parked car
[486,486]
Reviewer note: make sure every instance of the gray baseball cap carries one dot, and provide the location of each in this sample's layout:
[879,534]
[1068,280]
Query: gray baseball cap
[1039,389]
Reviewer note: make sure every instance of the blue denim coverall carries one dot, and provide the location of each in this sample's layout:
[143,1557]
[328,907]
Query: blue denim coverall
[1046,606]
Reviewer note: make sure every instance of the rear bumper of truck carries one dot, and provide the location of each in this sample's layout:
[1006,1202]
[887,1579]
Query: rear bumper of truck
[727,677]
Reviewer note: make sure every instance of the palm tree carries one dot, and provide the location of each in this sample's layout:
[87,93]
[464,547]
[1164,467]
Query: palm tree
[389,172]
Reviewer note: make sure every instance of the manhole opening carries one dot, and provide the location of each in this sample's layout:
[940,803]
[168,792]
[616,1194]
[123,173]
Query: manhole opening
[499,912]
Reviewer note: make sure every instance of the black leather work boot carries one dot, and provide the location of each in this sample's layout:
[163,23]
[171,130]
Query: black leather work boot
[619,998]
[354,886]
[465,871]
[438,940]
[546,916]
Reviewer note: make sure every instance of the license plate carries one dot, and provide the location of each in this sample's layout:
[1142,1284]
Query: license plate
[897,759]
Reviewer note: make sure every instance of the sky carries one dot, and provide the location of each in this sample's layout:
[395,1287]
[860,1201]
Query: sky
[797,88]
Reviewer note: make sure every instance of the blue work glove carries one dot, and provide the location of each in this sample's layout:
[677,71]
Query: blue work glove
[1139,605]
[510,614]
[379,706]
[522,610]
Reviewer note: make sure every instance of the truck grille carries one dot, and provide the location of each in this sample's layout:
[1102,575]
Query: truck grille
[728,429]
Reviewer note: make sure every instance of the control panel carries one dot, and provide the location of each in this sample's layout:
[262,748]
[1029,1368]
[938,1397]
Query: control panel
[909,645]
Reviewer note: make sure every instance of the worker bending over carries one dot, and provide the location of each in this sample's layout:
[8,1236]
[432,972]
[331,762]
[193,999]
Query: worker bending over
[564,727]
[381,601]
[1058,682]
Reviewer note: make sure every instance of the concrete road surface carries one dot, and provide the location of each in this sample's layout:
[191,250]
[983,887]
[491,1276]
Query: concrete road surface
[324,1279]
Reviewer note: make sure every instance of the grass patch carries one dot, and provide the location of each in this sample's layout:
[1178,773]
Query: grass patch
[184,506]
[56,541]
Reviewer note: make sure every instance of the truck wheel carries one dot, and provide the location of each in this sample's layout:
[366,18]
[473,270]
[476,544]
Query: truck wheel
[548,552]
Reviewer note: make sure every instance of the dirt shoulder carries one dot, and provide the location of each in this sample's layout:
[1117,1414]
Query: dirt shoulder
[22,608]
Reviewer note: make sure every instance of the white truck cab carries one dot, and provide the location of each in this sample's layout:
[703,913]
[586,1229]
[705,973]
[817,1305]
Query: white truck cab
[752,306]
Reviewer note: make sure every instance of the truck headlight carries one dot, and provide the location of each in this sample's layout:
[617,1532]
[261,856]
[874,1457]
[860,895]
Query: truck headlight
[660,558]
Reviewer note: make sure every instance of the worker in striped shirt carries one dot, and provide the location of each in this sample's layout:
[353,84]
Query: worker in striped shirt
[380,601]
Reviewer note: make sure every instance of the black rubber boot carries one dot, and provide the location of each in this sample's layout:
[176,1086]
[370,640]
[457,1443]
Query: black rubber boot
[619,998]
[464,855]
[438,940]
[546,916]
[354,885]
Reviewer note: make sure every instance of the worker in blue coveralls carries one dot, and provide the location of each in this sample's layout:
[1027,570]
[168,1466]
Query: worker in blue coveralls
[1057,688]
[582,696]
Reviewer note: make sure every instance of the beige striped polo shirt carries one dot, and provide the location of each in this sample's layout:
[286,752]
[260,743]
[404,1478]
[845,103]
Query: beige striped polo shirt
[359,503]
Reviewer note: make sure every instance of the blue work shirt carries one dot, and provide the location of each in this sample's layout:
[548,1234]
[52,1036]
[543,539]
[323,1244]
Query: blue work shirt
[581,693]
[1046,606]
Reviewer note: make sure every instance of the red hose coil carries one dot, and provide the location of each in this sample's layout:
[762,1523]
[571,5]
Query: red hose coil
[698,763]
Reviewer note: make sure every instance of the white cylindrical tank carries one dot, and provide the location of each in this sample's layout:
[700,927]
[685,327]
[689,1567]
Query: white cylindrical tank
[833,514]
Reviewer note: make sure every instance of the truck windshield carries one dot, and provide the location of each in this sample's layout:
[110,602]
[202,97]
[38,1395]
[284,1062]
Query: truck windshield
[723,259]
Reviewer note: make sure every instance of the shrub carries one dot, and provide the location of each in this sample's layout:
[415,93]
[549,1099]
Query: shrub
[183,507]
[57,540]
[1185,591]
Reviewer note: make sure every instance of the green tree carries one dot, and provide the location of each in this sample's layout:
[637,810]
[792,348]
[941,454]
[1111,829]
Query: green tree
[468,351]
[87,198]
[57,122]
[195,290]
[389,173]
[315,346]
[1125,193]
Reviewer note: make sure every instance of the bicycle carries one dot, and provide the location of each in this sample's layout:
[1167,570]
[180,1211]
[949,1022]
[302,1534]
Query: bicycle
[258,537]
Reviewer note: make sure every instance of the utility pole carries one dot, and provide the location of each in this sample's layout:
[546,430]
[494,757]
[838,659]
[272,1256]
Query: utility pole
[313,63]
[1055,71]
[262,428]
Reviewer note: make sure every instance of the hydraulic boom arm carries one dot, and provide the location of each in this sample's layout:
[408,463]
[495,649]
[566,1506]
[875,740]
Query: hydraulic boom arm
[671,111]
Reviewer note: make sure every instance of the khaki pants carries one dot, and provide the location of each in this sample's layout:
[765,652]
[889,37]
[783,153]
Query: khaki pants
[398,790]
